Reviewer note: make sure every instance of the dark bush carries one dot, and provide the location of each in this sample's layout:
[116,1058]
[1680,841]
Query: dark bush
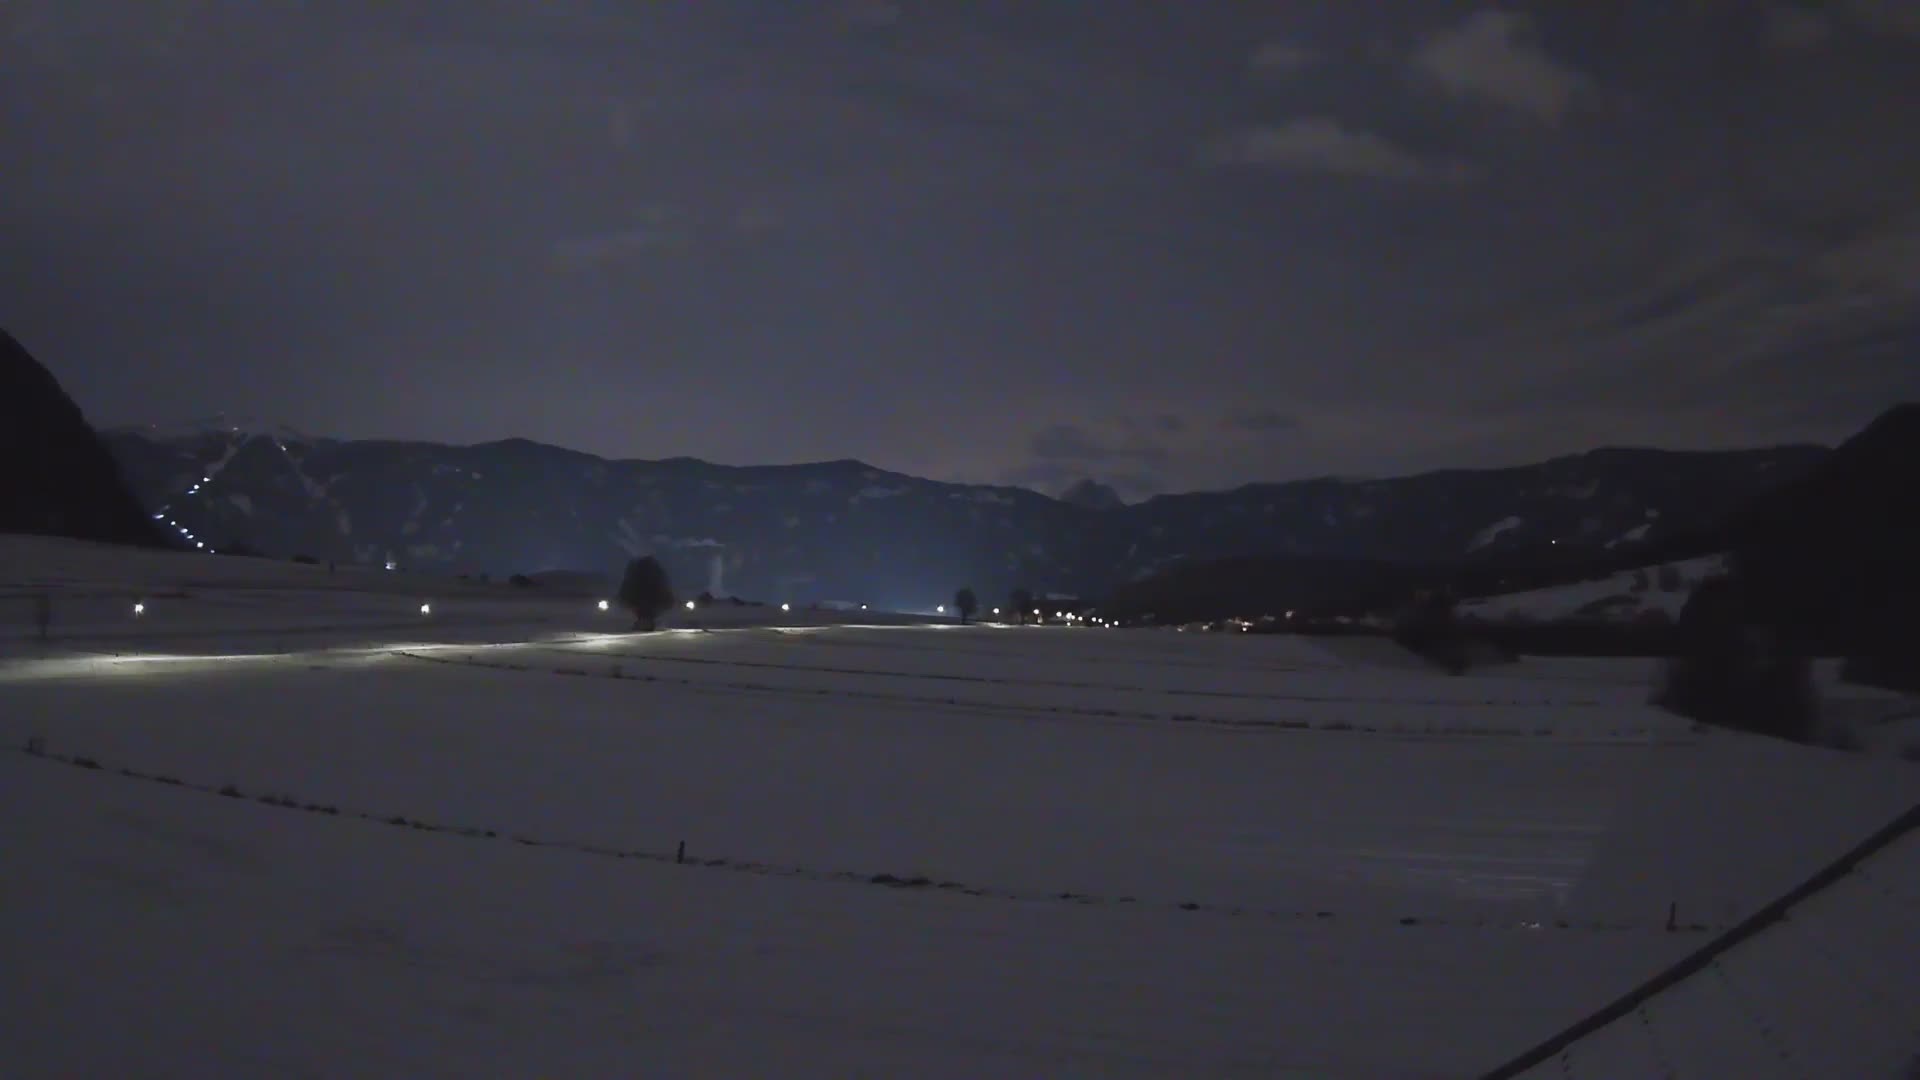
[1886,671]
[306,560]
[1428,629]
[520,581]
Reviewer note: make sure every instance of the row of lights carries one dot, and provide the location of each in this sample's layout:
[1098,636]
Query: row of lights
[184,531]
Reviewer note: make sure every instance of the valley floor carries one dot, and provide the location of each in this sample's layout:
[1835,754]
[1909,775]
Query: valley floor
[451,845]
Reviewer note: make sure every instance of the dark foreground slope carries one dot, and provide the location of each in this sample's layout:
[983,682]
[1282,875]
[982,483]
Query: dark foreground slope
[56,476]
[1835,554]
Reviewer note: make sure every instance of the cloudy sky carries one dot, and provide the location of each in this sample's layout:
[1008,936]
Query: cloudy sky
[1167,245]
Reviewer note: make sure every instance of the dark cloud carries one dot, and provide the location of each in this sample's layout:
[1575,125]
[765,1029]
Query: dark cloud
[1493,56]
[1071,442]
[1323,144]
[1262,421]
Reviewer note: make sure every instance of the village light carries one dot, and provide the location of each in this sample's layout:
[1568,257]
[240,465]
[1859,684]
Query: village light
[603,605]
[941,610]
[786,607]
[689,605]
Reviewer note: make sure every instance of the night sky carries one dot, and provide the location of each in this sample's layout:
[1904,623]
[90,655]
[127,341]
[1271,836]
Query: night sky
[1167,245]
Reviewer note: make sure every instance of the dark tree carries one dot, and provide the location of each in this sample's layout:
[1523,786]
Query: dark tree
[1429,629]
[1022,601]
[1735,668]
[705,599]
[645,591]
[966,603]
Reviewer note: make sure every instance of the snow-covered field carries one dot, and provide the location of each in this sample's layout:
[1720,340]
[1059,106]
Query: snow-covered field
[451,843]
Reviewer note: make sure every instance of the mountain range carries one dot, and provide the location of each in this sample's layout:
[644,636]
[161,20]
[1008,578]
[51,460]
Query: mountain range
[843,530]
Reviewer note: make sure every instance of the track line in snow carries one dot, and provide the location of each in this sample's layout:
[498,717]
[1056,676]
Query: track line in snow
[1294,725]
[1235,695]
[915,882]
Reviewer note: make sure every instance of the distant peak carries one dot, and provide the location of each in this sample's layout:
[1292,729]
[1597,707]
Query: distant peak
[1088,494]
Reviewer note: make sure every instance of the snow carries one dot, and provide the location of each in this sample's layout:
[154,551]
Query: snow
[1632,536]
[1145,853]
[1589,597]
[1809,995]
[1492,532]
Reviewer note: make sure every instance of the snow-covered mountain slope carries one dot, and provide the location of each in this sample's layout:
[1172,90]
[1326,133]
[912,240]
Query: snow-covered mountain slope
[841,529]
[1657,591]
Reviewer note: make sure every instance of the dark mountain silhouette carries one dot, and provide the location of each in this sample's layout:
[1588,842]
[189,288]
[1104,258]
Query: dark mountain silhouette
[848,531]
[58,479]
[1835,554]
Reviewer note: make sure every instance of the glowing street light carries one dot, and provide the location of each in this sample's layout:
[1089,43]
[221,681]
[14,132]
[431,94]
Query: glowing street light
[689,605]
[941,610]
[426,609]
[139,609]
[603,605]
[786,607]
[863,607]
